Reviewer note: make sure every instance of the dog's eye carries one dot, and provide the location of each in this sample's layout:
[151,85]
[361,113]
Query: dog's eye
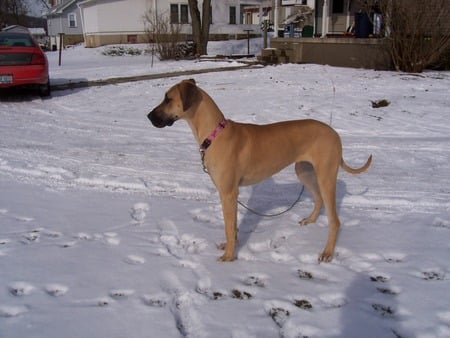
[166,99]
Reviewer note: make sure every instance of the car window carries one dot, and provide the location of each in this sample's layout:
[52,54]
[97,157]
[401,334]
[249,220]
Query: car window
[16,40]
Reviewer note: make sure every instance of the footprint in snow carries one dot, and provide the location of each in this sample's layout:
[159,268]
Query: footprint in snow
[83,236]
[12,311]
[441,223]
[4,241]
[96,302]
[279,315]
[394,257]
[157,300]
[31,237]
[303,304]
[379,278]
[56,290]
[121,293]
[109,238]
[24,219]
[258,280]
[21,289]
[134,260]
[435,274]
[51,233]
[139,212]
[383,310]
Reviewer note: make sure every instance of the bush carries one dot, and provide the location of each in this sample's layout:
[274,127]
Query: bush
[163,36]
[121,51]
[417,32]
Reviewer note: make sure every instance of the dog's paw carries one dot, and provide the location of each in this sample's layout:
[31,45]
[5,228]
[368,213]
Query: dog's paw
[226,258]
[325,257]
[307,220]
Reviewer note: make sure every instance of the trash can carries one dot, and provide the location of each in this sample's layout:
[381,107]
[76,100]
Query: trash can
[363,26]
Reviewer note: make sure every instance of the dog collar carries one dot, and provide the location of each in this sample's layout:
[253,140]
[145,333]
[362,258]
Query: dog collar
[207,141]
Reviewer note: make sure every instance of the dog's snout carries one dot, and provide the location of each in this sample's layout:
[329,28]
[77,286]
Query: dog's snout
[159,119]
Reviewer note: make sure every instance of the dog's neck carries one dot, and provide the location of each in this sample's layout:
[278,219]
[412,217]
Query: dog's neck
[205,118]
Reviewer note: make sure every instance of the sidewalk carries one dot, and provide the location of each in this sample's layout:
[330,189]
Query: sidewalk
[124,79]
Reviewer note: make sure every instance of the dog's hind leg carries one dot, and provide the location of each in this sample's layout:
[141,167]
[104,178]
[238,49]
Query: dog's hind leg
[306,174]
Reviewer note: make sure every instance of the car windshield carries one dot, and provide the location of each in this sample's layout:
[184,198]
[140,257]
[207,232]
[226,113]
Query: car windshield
[14,39]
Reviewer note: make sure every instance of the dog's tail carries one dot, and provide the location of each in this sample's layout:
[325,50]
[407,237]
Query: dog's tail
[358,170]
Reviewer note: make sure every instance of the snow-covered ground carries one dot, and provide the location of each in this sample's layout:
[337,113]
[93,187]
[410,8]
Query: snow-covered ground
[109,226]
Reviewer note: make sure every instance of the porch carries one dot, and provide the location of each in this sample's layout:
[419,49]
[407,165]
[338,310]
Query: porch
[334,51]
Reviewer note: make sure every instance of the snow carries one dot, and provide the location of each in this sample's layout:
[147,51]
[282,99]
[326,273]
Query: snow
[109,226]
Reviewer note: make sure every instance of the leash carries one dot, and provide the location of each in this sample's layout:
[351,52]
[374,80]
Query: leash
[278,213]
[205,145]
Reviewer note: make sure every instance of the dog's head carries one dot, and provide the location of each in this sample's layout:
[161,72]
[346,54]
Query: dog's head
[178,102]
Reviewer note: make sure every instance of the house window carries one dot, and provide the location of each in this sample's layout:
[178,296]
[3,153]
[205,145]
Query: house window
[184,10]
[338,6]
[232,15]
[72,18]
[179,13]
[174,14]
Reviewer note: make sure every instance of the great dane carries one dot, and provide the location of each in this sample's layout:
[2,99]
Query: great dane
[238,154]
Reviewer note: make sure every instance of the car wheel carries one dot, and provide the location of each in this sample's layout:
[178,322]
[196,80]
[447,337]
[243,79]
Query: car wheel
[44,90]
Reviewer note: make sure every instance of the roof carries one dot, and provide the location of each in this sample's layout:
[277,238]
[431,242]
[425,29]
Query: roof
[59,9]
[16,29]
[37,31]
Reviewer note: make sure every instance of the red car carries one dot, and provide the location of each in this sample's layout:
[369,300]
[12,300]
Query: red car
[22,61]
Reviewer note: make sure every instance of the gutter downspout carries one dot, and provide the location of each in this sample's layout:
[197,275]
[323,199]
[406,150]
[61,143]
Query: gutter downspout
[275,18]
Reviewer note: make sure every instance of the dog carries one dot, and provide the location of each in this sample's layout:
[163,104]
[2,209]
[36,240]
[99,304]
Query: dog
[238,154]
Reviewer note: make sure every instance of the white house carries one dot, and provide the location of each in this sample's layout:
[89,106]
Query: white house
[122,21]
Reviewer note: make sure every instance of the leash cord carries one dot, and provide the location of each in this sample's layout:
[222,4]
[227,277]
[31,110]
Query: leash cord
[277,214]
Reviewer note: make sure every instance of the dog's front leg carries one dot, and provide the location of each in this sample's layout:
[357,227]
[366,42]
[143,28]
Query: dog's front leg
[229,209]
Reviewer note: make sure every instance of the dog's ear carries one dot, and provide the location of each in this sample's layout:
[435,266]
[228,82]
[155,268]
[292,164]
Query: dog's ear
[190,95]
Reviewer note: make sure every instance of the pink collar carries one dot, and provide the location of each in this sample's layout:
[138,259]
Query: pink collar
[207,142]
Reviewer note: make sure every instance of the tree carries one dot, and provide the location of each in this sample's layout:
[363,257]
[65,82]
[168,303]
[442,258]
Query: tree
[200,25]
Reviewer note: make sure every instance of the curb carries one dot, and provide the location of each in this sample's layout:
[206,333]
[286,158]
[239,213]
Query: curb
[116,80]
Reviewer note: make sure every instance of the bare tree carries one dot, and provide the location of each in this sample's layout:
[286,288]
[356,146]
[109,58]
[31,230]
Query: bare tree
[417,32]
[200,25]
[13,11]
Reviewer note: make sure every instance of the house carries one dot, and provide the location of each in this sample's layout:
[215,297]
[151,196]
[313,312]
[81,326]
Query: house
[40,36]
[330,39]
[122,21]
[64,18]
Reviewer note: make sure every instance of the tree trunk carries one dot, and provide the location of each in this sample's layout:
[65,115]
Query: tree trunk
[200,25]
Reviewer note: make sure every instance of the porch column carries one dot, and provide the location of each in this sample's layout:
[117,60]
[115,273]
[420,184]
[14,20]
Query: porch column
[275,18]
[325,18]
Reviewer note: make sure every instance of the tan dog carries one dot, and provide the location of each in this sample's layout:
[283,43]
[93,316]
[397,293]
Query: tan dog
[236,154]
